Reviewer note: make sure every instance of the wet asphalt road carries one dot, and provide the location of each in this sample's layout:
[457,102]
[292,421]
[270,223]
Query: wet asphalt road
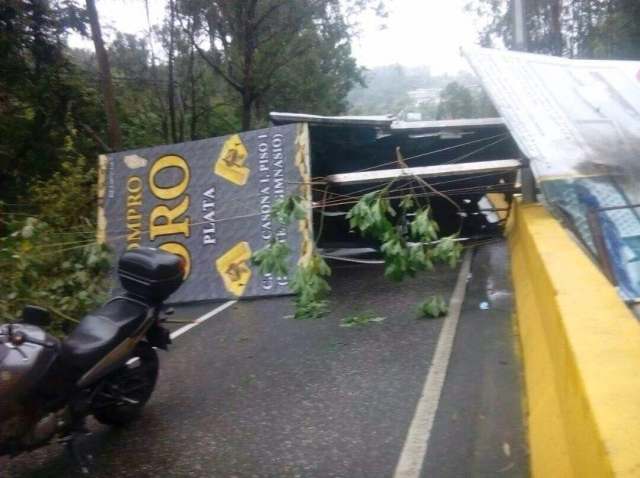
[250,393]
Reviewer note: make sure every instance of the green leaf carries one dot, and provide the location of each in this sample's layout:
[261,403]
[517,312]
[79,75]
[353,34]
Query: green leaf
[289,208]
[448,251]
[407,203]
[433,307]
[311,288]
[423,228]
[360,320]
[371,214]
[272,259]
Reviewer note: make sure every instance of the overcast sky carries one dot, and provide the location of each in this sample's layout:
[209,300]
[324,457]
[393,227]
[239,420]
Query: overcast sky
[418,32]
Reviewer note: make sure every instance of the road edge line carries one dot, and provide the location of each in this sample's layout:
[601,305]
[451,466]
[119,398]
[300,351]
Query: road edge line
[177,333]
[414,450]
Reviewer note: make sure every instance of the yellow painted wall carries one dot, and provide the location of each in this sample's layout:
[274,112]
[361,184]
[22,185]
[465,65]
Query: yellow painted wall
[581,352]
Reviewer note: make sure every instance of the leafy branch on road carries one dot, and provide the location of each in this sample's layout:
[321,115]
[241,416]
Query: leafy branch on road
[362,319]
[311,288]
[434,307]
[406,248]
[309,280]
[272,259]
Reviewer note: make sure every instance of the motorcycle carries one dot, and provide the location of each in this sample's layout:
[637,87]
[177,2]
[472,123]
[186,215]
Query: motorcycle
[106,367]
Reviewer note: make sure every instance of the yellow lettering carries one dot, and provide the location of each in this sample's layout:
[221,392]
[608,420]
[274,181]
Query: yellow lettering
[134,199]
[172,192]
[134,184]
[162,221]
[134,216]
[165,220]
[134,232]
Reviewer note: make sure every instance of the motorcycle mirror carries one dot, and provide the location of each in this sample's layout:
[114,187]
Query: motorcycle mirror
[35,315]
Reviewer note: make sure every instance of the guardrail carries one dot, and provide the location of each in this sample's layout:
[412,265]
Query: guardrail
[581,353]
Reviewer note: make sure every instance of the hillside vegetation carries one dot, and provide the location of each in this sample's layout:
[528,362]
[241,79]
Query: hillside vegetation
[415,93]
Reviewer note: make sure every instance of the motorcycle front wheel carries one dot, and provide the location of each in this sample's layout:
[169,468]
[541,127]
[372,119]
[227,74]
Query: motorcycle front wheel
[123,394]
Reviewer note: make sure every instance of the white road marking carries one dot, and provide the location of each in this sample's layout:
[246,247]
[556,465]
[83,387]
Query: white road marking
[416,443]
[201,319]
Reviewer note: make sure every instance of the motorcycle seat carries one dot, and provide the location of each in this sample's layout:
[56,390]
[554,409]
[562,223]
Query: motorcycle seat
[101,331]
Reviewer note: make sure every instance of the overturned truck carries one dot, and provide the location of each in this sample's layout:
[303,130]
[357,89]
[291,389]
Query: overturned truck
[211,201]
[466,169]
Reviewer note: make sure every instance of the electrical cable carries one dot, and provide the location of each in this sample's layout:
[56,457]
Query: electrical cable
[430,153]
[325,204]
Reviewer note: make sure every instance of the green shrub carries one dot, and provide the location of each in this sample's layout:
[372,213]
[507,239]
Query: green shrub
[50,258]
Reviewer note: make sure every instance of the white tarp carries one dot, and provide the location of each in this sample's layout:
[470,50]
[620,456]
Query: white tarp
[578,121]
[568,117]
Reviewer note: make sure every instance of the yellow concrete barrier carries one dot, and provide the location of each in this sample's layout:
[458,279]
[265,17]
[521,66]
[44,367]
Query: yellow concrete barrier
[581,351]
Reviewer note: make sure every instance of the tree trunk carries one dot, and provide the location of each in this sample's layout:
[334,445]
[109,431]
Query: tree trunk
[192,84]
[247,106]
[249,40]
[556,27]
[171,88]
[158,91]
[106,84]
[520,33]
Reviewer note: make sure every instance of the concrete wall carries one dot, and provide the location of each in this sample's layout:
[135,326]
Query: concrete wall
[581,351]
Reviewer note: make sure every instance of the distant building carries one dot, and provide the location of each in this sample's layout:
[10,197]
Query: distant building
[425,95]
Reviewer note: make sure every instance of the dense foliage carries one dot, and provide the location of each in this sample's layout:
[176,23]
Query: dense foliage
[409,242]
[209,69]
[406,91]
[276,53]
[214,67]
[573,28]
[48,254]
[43,95]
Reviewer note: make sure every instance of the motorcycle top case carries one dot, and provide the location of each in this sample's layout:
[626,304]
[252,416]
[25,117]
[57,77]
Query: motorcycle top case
[22,366]
[150,274]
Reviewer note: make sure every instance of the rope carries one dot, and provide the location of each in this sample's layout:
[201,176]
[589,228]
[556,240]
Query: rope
[328,203]
[348,259]
[430,153]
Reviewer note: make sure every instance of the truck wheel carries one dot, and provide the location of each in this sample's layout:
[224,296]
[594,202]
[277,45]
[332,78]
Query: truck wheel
[124,393]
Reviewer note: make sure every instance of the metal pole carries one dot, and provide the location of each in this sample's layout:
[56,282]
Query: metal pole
[519,26]
[528,185]
[521,44]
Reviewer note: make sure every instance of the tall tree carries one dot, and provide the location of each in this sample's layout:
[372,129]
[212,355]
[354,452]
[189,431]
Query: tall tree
[106,83]
[44,98]
[249,43]
[171,86]
[318,81]
[456,101]
[573,28]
